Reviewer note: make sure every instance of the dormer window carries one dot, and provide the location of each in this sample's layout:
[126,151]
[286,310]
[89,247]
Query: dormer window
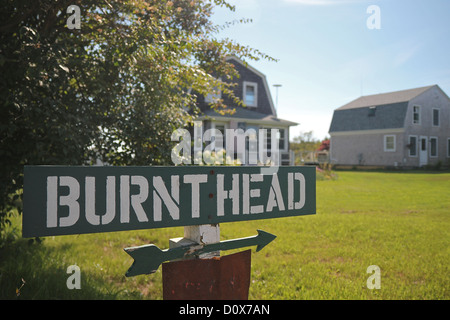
[213,97]
[250,94]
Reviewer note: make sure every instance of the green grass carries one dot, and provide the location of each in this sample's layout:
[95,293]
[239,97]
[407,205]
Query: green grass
[397,221]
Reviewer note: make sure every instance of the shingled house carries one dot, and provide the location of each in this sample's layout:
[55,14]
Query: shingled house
[408,128]
[259,111]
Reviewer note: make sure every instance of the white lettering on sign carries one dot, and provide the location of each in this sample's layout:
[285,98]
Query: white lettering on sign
[275,195]
[91,217]
[136,200]
[195,180]
[243,192]
[251,193]
[223,194]
[160,194]
[301,179]
[70,200]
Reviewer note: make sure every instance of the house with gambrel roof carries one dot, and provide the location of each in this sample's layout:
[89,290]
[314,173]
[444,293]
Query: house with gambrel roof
[408,128]
[258,113]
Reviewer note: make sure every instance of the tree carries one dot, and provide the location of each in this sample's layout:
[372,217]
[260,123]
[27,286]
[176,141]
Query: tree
[113,90]
[305,141]
[304,145]
[324,145]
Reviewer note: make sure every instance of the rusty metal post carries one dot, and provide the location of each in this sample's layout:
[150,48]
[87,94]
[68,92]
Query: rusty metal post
[219,278]
[211,276]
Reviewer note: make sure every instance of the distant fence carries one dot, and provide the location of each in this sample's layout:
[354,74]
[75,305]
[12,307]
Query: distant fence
[311,157]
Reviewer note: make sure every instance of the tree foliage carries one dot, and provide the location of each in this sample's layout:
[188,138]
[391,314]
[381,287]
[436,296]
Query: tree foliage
[304,146]
[304,142]
[324,145]
[113,90]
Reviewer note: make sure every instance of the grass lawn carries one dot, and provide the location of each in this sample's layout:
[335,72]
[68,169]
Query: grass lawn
[397,221]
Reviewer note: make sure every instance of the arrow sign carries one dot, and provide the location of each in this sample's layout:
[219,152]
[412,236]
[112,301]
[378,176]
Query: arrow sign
[148,258]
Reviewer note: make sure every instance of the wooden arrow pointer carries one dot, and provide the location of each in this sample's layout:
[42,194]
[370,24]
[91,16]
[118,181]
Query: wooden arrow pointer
[148,258]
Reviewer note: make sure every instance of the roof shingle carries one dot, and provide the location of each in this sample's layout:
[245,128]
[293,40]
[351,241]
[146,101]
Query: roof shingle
[384,98]
[377,111]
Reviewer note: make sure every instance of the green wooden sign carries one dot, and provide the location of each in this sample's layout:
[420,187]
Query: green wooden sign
[62,200]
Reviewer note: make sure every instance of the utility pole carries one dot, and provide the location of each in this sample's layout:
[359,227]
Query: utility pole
[277,86]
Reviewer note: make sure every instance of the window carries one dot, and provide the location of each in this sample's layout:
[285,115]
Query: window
[435,117]
[448,148]
[242,125]
[372,111]
[250,94]
[389,143]
[433,147]
[214,96]
[413,146]
[251,143]
[219,140]
[416,115]
[281,136]
[423,144]
[268,139]
[282,139]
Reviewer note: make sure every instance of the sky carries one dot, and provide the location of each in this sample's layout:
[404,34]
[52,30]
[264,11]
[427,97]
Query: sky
[328,56]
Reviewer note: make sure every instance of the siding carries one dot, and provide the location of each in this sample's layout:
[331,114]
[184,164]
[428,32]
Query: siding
[433,98]
[366,149]
[245,74]
[357,139]
[248,75]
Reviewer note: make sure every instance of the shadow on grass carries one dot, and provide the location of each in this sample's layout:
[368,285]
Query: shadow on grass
[35,271]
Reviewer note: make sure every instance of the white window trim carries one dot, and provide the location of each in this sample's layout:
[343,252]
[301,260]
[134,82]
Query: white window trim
[255,86]
[432,117]
[385,144]
[213,97]
[420,115]
[417,146]
[437,148]
[448,147]
[286,138]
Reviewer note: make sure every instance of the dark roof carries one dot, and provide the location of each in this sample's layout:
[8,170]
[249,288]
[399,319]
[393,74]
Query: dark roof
[247,114]
[370,118]
[377,111]
[385,98]
[265,113]
[248,73]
